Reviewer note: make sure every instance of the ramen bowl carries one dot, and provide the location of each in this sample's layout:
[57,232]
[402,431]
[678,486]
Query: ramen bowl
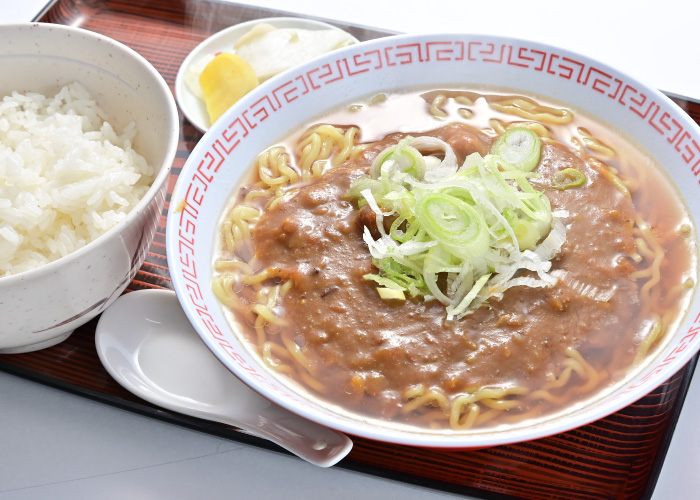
[41,306]
[290,103]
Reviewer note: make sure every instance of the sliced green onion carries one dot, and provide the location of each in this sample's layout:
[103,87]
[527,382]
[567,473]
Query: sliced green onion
[438,260]
[398,273]
[454,223]
[469,298]
[402,157]
[436,169]
[520,147]
[526,233]
[568,178]
[362,183]
[399,276]
[459,235]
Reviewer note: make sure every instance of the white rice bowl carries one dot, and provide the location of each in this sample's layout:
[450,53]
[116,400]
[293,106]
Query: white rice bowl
[68,176]
[79,207]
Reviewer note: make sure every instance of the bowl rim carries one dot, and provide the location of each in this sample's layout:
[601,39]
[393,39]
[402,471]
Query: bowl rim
[161,176]
[446,439]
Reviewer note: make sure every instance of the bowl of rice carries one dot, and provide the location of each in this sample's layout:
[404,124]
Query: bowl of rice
[88,134]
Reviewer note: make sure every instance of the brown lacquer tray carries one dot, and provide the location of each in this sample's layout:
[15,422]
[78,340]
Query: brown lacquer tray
[618,457]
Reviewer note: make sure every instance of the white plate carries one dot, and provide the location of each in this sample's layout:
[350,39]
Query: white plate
[192,106]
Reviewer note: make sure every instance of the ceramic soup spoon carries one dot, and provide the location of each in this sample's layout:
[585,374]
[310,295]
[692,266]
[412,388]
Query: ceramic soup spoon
[148,346]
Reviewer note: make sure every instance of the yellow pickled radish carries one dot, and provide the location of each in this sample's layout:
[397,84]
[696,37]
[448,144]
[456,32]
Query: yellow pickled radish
[225,80]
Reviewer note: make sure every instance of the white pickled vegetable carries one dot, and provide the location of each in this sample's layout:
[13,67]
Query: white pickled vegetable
[273,51]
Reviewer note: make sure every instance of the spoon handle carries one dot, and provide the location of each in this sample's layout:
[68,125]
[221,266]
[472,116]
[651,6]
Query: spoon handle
[308,440]
[147,344]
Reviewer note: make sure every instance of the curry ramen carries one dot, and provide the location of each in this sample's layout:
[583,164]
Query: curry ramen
[455,259]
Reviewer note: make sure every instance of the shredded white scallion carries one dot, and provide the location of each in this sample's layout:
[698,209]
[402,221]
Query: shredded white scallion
[478,225]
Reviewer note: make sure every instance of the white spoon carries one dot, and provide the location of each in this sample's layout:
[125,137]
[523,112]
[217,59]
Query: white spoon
[148,345]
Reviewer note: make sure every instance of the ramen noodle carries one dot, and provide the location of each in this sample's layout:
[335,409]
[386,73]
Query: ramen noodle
[306,264]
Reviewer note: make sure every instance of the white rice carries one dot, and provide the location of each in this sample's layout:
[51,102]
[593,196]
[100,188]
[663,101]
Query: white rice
[66,176]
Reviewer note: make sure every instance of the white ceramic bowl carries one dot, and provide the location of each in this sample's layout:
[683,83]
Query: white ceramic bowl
[41,307]
[192,106]
[415,61]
